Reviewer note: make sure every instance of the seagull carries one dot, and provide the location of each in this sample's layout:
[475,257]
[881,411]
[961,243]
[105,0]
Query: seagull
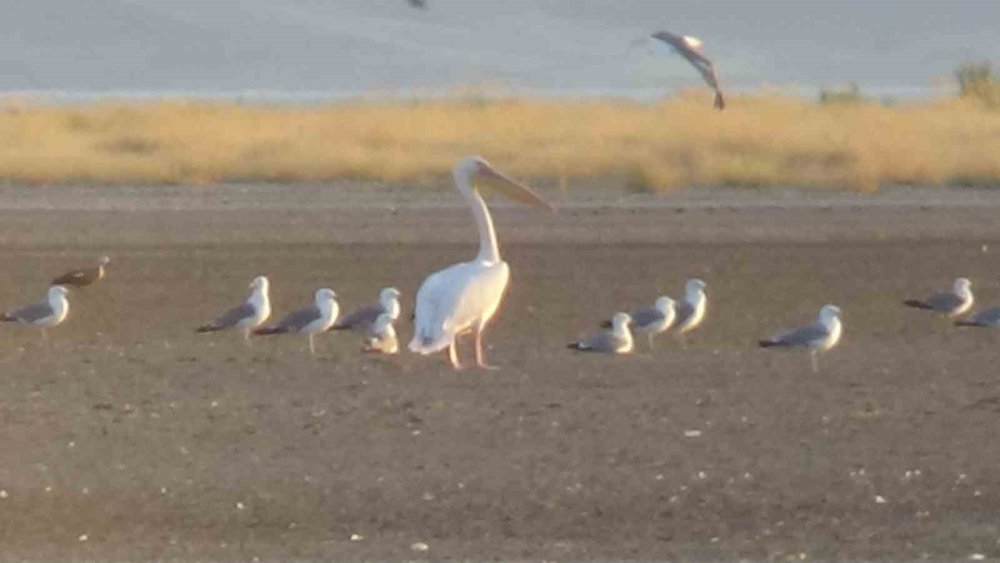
[382,336]
[691,309]
[817,337]
[365,317]
[948,303]
[311,319]
[248,315]
[618,340]
[989,318]
[83,276]
[690,49]
[653,320]
[462,298]
[52,312]
[419,4]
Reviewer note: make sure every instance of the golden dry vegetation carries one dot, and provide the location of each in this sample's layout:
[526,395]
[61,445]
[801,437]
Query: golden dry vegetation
[760,140]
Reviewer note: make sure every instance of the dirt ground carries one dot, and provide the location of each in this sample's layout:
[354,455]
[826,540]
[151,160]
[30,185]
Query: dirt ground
[132,437]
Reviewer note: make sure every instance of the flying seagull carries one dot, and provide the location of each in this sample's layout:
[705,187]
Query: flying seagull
[618,340]
[419,4]
[249,314]
[948,303]
[50,313]
[83,276]
[311,319]
[989,318]
[382,336]
[652,320]
[690,49]
[365,317]
[817,337]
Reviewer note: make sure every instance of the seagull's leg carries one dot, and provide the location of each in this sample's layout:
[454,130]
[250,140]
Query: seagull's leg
[312,346]
[649,336]
[246,337]
[480,361]
[45,336]
[815,362]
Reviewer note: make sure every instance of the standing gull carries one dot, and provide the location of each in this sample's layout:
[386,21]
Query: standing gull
[365,317]
[653,320]
[690,49]
[52,312]
[617,340]
[691,310]
[817,337]
[311,319]
[84,276]
[248,315]
[463,298]
[989,318]
[948,303]
[382,336]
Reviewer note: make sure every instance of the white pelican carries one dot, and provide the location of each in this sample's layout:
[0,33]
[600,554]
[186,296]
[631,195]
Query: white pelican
[248,315]
[50,313]
[462,298]
[382,336]
[817,337]
[311,319]
[617,340]
[84,276]
[690,49]
[948,303]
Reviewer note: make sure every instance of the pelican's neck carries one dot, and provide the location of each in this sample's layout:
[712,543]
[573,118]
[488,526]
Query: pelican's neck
[489,250]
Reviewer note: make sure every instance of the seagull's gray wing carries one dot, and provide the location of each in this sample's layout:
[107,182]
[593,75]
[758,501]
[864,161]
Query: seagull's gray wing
[605,343]
[231,317]
[698,60]
[362,318]
[645,317]
[29,314]
[296,321]
[943,301]
[806,336]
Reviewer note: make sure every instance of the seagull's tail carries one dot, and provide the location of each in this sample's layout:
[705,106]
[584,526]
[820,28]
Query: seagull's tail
[768,343]
[962,322]
[267,330]
[208,328]
[605,324]
[578,346]
[720,102]
[916,304]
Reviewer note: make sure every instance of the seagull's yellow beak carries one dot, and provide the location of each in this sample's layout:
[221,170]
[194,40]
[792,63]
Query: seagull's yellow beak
[486,175]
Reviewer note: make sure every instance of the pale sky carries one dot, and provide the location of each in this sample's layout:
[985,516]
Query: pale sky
[572,45]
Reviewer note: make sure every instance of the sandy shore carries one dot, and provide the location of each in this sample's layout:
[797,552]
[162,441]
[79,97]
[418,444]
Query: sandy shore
[134,438]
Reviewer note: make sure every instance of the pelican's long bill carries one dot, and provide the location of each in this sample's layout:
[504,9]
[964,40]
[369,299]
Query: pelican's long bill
[487,176]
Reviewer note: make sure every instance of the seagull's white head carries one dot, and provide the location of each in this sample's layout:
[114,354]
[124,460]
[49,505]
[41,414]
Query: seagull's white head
[475,171]
[962,286]
[388,295]
[260,283]
[694,286]
[104,261]
[664,303]
[829,312]
[621,320]
[325,295]
[57,292]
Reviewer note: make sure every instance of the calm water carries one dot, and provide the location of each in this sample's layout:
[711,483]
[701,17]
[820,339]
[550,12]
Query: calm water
[311,50]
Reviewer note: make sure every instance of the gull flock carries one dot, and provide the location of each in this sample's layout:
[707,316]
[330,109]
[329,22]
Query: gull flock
[460,300]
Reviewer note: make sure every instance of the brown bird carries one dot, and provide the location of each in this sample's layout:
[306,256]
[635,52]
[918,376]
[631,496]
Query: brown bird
[83,276]
[690,49]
